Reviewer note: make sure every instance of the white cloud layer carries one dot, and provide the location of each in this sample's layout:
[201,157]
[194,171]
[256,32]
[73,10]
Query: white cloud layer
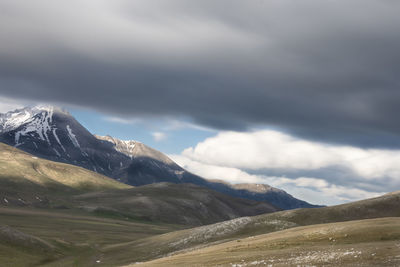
[121,120]
[313,190]
[235,157]
[275,150]
[213,172]
[159,136]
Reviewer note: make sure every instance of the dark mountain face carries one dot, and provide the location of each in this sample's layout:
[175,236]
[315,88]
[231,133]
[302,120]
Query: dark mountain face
[52,133]
[261,192]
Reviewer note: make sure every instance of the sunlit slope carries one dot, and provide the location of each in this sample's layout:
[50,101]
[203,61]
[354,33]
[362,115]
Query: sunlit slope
[372,242]
[22,175]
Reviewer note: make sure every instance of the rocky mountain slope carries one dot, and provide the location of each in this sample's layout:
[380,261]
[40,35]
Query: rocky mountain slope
[52,133]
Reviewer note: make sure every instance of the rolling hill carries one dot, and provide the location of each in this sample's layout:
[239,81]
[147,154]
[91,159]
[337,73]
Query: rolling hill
[185,204]
[334,244]
[91,220]
[208,235]
[28,181]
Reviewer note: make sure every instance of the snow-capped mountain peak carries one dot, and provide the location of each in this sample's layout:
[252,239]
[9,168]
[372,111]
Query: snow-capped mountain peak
[35,115]
[36,125]
[30,121]
[12,120]
[51,132]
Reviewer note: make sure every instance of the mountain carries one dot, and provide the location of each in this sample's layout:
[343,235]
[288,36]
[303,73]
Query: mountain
[52,133]
[260,192]
[28,181]
[148,165]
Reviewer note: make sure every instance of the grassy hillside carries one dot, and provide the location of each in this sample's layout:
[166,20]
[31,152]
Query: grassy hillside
[373,242]
[172,203]
[28,181]
[77,238]
[53,214]
[191,239]
[24,175]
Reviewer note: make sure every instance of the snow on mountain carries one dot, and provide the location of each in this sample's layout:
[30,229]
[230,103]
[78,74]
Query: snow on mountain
[35,121]
[27,116]
[52,133]
[72,137]
[124,146]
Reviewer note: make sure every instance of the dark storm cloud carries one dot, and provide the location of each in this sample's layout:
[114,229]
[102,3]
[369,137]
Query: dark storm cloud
[325,70]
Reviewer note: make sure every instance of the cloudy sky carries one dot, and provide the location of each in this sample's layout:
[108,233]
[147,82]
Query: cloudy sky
[303,95]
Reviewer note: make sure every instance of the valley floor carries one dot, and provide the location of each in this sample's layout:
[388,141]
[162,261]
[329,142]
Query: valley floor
[35,237]
[56,237]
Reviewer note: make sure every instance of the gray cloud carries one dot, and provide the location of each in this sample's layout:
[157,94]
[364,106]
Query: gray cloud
[325,70]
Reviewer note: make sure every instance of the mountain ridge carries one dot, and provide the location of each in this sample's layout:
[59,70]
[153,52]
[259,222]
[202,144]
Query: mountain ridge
[52,133]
